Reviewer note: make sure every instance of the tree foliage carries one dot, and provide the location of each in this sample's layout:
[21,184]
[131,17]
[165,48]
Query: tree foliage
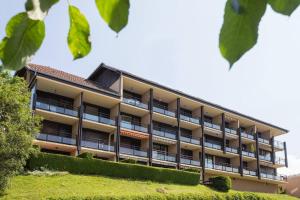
[25,32]
[17,126]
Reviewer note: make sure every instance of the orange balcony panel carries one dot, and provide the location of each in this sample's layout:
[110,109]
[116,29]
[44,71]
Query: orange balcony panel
[134,134]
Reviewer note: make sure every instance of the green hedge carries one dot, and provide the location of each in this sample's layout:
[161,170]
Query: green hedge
[86,155]
[221,183]
[112,169]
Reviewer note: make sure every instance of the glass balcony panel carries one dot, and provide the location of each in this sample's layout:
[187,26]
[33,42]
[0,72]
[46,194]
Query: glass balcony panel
[213,146]
[132,151]
[230,131]
[213,126]
[278,144]
[231,150]
[164,134]
[56,109]
[56,138]
[164,112]
[134,127]
[248,136]
[96,144]
[280,161]
[249,154]
[190,119]
[266,158]
[164,156]
[135,103]
[262,140]
[190,140]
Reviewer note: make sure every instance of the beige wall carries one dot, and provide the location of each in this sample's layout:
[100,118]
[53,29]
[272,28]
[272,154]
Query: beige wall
[114,112]
[253,186]
[292,187]
[173,105]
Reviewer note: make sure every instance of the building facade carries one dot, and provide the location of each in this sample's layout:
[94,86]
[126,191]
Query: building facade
[116,115]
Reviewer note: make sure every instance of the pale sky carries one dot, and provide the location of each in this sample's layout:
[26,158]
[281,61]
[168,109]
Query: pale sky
[175,43]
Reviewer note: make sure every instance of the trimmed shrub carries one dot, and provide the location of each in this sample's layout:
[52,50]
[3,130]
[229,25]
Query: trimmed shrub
[77,165]
[86,155]
[195,170]
[132,161]
[221,183]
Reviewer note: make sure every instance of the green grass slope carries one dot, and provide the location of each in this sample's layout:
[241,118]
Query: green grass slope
[96,187]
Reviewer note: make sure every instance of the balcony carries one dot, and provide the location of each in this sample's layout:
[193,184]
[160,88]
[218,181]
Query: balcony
[249,172]
[170,135]
[190,140]
[190,119]
[128,125]
[132,150]
[213,126]
[99,119]
[247,135]
[213,146]
[96,144]
[56,138]
[231,150]
[264,141]
[230,131]
[56,109]
[164,156]
[280,161]
[221,167]
[273,177]
[135,103]
[188,160]
[265,158]
[164,112]
[278,144]
[249,154]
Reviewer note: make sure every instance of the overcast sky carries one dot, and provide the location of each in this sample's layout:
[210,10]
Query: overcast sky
[175,43]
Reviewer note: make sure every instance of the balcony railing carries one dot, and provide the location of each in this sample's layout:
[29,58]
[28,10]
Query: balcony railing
[247,135]
[190,119]
[273,176]
[99,119]
[190,140]
[165,134]
[96,144]
[280,161]
[211,125]
[164,112]
[128,125]
[165,156]
[188,160]
[249,172]
[231,150]
[136,103]
[213,146]
[230,131]
[56,138]
[264,141]
[265,158]
[222,167]
[132,150]
[56,109]
[249,154]
[278,144]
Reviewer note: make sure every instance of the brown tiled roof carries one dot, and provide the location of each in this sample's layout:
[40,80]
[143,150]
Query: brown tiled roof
[66,76]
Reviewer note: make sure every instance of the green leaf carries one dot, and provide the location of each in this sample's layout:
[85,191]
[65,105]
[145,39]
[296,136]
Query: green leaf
[114,13]
[79,33]
[285,7]
[24,37]
[240,30]
[38,9]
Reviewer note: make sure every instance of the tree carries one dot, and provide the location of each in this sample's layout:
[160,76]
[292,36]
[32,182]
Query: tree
[25,31]
[17,126]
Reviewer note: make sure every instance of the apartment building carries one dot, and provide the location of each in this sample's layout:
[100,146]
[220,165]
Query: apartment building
[116,115]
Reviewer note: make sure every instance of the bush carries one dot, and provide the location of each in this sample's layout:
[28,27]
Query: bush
[221,183]
[195,170]
[77,165]
[131,161]
[86,155]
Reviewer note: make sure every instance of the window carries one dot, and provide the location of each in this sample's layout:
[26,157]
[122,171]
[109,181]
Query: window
[185,112]
[130,142]
[164,127]
[160,148]
[131,95]
[54,99]
[89,134]
[54,128]
[96,110]
[131,119]
[160,104]
[208,119]
[187,153]
[186,133]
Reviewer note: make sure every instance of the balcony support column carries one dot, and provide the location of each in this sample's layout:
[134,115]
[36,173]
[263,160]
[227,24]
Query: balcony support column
[285,154]
[178,133]
[150,128]
[202,145]
[273,151]
[223,132]
[117,140]
[33,87]
[80,116]
[257,156]
[240,152]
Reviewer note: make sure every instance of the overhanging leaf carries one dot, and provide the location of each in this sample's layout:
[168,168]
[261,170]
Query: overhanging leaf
[38,9]
[240,30]
[24,37]
[285,7]
[114,13]
[79,33]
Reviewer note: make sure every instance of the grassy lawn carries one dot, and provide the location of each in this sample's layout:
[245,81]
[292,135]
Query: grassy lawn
[43,187]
